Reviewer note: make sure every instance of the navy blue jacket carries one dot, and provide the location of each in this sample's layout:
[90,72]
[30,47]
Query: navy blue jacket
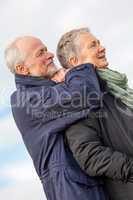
[42,111]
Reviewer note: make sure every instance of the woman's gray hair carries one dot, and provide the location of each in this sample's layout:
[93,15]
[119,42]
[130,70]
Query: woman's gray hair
[68,46]
[13,56]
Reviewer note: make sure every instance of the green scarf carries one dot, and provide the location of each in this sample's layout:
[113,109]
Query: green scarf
[117,84]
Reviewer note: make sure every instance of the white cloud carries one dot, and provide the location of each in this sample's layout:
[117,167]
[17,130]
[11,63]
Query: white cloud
[19,172]
[9,133]
[23,191]
[22,182]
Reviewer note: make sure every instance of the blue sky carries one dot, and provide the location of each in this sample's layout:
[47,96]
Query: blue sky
[111,21]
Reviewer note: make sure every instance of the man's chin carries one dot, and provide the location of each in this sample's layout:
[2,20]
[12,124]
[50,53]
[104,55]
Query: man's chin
[52,74]
[52,70]
[106,65]
[59,75]
[103,65]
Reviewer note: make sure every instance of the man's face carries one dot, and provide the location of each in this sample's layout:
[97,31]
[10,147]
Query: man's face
[91,51]
[39,60]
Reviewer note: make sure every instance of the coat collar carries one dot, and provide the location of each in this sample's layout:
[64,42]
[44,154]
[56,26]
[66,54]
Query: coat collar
[23,80]
[102,83]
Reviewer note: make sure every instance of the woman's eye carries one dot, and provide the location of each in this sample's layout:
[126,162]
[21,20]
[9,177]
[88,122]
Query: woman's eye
[93,45]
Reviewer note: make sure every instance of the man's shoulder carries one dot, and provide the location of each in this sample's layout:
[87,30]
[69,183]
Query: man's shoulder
[13,96]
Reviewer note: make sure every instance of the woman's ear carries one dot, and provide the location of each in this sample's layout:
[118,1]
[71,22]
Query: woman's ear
[73,61]
[21,69]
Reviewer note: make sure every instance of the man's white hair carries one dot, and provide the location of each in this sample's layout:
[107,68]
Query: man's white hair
[14,56]
[68,45]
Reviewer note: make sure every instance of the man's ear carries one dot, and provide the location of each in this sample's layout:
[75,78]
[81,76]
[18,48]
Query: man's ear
[73,61]
[21,69]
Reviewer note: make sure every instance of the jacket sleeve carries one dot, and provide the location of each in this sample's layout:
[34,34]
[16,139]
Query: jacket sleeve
[93,157]
[79,91]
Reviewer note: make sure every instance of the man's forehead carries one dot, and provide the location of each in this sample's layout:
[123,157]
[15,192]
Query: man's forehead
[38,47]
[28,44]
[36,44]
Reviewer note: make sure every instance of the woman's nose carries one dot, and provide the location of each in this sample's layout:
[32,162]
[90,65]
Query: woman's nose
[101,49]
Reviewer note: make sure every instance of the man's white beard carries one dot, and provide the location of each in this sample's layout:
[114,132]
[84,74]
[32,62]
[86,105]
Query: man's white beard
[52,71]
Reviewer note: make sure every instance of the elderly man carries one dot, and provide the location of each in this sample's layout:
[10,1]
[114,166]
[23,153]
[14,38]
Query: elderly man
[42,111]
[103,143]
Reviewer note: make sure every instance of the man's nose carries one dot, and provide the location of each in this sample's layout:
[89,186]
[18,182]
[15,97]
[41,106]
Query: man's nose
[50,55]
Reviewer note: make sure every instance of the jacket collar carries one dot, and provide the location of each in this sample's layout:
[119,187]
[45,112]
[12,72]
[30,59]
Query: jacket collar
[23,80]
